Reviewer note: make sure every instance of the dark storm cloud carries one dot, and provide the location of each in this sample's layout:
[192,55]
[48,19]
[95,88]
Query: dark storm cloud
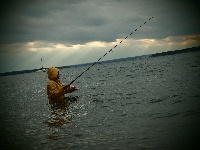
[179,18]
[78,22]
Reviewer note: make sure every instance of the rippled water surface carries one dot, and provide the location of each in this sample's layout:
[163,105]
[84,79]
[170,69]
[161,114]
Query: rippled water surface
[151,103]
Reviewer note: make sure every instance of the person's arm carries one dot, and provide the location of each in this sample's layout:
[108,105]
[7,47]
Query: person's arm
[69,88]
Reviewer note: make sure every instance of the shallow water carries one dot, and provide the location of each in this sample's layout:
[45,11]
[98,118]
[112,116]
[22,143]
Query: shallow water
[151,103]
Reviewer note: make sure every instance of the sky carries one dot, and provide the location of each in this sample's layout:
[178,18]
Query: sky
[68,32]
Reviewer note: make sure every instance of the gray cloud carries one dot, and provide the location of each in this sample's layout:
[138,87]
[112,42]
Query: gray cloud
[78,22]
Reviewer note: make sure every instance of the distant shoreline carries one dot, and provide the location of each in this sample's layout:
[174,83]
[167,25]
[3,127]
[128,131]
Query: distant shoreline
[192,49]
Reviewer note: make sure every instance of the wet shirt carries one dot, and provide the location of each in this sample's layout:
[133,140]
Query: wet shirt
[55,89]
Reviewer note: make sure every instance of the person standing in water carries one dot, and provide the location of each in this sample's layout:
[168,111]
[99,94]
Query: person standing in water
[55,89]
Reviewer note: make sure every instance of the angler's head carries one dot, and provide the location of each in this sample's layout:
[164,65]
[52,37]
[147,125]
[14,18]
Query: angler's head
[53,73]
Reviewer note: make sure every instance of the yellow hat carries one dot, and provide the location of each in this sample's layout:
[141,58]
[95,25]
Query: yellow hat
[52,73]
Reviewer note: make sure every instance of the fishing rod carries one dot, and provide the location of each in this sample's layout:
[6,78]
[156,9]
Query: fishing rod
[105,54]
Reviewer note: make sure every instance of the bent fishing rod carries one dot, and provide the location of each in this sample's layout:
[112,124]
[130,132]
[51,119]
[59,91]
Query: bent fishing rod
[106,54]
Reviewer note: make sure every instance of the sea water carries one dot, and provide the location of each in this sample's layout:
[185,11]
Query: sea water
[150,103]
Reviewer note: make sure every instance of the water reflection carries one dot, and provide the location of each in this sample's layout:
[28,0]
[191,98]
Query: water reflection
[60,116]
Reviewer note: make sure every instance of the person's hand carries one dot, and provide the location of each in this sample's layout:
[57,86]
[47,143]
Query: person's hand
[66,86]
[73,88]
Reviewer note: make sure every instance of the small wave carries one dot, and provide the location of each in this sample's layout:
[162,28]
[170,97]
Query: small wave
[155,100]
[92,126]
[100,94]
[129,94]
[78,135]
[129,82]
[97,100]
[169,115]
[110,99]
[194,66]
[104,106]
[102,80]
[129,75]
[124,115]
[178,101]
[128,97]
[191,112]
[162,99]
[196,96]
[142,146]
[128,103]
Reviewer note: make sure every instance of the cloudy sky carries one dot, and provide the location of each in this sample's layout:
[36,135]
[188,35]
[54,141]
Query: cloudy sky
[67,32]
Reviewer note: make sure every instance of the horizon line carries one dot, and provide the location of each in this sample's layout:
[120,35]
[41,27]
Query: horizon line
[107,61]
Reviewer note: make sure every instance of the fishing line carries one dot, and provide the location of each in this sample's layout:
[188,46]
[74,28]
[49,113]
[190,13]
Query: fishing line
[107,53]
